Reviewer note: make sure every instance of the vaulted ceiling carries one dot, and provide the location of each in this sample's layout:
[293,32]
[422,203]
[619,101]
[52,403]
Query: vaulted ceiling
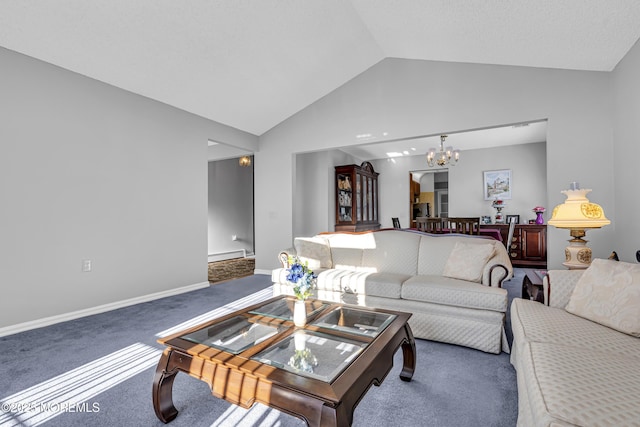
[251,64]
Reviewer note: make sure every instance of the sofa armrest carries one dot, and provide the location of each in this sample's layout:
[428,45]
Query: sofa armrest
[283,257]
[558,286]
[498,273]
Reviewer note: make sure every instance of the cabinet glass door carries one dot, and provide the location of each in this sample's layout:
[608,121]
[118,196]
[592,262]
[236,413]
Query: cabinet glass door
[365,205]
[369,198]
[344,198]
[375,200]
[358,197]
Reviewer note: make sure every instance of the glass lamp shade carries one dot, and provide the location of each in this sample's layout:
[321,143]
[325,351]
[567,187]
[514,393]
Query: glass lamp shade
[431,156]
[578,214]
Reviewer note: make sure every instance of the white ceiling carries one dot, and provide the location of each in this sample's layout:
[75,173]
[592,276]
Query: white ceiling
[521,133]
[251,64]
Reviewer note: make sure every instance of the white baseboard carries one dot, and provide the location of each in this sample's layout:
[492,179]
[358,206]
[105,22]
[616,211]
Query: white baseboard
[267,272]
[47,321]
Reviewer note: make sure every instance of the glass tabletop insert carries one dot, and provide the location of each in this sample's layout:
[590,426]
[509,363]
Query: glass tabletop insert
[368,323]
[233,335]
[283,308]
[312,354]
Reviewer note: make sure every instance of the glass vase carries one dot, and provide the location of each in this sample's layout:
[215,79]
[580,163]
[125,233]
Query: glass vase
[299,313]
[539,218]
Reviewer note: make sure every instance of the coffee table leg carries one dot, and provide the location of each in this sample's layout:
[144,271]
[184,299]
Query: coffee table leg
[163,389]
[408,355]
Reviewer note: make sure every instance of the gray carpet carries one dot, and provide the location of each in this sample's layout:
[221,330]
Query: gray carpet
[80,363]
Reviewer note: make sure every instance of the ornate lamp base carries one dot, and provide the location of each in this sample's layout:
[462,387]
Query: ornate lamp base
[577,254]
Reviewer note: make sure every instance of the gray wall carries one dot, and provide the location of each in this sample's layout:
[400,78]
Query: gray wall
[528,164]
[89,171]
[314,190]
[626,156]
[528,167]
[405,98]
[230,198]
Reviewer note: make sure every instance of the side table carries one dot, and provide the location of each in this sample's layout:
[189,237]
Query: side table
[532,284]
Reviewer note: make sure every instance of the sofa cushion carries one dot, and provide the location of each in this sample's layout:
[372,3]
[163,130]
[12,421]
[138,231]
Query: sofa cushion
[434,252]
[454,292]
[609,293]
[347,249]
[467,260]
[388,285]
[315,251]
[361,282]
[532,321]
[394,252]
[331,279]
[568,385]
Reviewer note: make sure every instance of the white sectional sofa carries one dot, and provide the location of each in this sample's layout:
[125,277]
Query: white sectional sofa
[450,282]
[578,358]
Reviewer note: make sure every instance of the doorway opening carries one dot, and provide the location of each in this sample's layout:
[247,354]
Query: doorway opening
[429,194]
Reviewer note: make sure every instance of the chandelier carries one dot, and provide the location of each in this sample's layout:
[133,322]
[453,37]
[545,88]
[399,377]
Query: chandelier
[447,156]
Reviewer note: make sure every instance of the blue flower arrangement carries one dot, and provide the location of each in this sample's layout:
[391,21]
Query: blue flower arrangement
[301,276]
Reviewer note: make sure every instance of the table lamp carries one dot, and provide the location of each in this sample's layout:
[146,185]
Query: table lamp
[577,214]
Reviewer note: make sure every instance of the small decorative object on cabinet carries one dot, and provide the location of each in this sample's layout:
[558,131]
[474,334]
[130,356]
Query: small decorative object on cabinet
[513,218]
[498,205]
[356,198]
[539,211]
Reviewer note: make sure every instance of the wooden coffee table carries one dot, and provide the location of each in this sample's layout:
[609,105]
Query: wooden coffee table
[318,372]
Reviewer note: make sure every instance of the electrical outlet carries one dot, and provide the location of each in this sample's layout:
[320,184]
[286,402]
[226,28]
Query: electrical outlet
[86,265]
[234,237]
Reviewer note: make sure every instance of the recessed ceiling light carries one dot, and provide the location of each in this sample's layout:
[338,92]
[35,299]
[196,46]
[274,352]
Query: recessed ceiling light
[405,152]
[394,154]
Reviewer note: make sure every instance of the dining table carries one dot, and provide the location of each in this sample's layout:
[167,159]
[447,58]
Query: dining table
[494,233]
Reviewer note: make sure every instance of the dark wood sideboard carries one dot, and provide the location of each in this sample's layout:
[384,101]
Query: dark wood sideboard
[528,247]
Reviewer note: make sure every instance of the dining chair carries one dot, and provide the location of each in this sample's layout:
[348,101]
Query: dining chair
[396,222]
[464,225]
[512,228]
[434,225]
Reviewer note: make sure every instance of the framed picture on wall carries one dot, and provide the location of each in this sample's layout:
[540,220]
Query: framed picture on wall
[513,218]
[497,184]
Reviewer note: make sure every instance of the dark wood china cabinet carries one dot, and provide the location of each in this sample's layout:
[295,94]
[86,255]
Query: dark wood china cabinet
[356,198]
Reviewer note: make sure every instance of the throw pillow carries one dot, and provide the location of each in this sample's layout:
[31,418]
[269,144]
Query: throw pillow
[608,292]
[467,260]
[315,251]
